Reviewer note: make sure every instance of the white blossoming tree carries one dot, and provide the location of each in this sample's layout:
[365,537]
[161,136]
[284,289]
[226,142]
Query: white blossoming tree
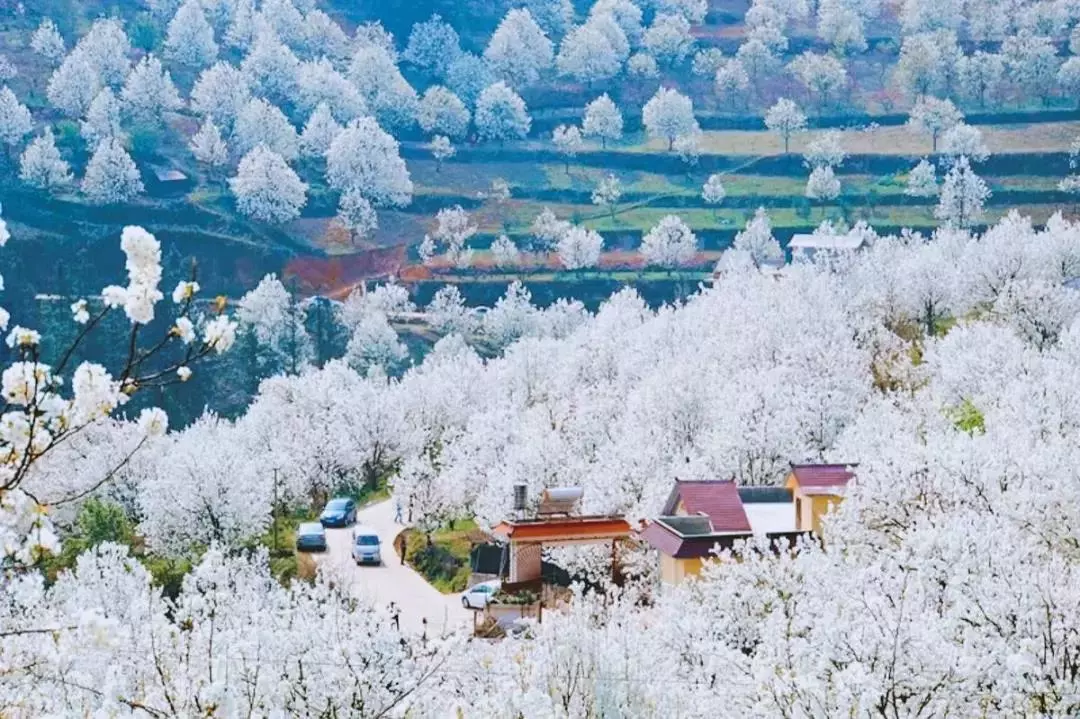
[504,252]
[208,147]
[15,120]
[755,245]
[567,141]
[602,120]
[42,166]
[713,192]
[501,114]
[963,194]
[669,115]
[785,119]
[47,42]
[607,193]
[365,158]
[319,132]
[111,175]
[922,180]
[442,150]
[441,112]
[41,415]
[519,50]
[267,189]
[934,117]
[189,39]
[670,244]
[149,93]
[822,185]
[580,248]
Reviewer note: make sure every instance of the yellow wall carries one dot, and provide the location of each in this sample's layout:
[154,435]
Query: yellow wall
[811,508]
[675,571]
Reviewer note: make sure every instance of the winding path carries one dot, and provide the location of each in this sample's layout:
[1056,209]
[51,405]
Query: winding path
[392,581]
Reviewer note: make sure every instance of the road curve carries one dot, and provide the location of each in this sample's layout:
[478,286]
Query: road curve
[393,582]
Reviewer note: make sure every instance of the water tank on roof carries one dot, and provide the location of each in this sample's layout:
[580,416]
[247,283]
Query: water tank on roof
[563,494]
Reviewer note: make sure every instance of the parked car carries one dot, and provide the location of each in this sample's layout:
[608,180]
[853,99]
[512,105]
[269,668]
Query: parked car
[338,512]
[479,595]
[311,536]
[366,546]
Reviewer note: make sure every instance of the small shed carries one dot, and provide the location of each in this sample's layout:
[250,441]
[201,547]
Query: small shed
[807,245]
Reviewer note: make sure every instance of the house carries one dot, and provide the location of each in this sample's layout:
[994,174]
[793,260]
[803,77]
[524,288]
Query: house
[702,517]
[807,245]
[816,488]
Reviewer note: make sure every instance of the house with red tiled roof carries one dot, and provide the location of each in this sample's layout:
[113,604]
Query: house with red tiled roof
[815,489]
[701,518]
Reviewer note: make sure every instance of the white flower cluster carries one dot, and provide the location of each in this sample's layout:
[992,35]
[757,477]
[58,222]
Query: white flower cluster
[144,274]
[184,292]
[79,312]
[220,333]
[24,528]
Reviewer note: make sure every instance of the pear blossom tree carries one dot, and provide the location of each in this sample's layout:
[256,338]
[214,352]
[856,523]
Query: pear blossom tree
[441,112]
[104,119]
[669,115]
[732,80]
[149,93]
[785,119]
[602,120]
[261,123]
[47,42]
[567,141]
[548,229]
[208,147]
[276,321]
[963,194]
[318,82]
[964,140]
[111,175]
[519,50]
[580,248]
[501,114]
[755,244]
[357,215]
[385,91]
[15,120]
[826,150]
[822,185]
[453,230]
[189,39]
[607,193]
[365,158]
[220,93]
[318,133]
[935,117]
[922,180]
[670,244]
[267,189]
[42,166]
[713,192]
[442,150]
[642,65]
[587,55]
[433,45]
[504,252]
[668,39]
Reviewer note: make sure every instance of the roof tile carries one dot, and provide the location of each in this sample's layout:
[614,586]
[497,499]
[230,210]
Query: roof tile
[823,475]
[718,500]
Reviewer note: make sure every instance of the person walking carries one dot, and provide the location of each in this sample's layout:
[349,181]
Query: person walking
[395,616]
[401,546]
[397,511]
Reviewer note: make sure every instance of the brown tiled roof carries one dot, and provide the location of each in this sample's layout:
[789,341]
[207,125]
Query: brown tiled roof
[822,475]
[718,500]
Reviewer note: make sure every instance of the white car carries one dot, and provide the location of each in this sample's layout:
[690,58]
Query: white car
[478,596]
[366,546]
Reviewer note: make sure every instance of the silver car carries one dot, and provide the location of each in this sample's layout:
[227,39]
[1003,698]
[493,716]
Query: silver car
[366,546]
